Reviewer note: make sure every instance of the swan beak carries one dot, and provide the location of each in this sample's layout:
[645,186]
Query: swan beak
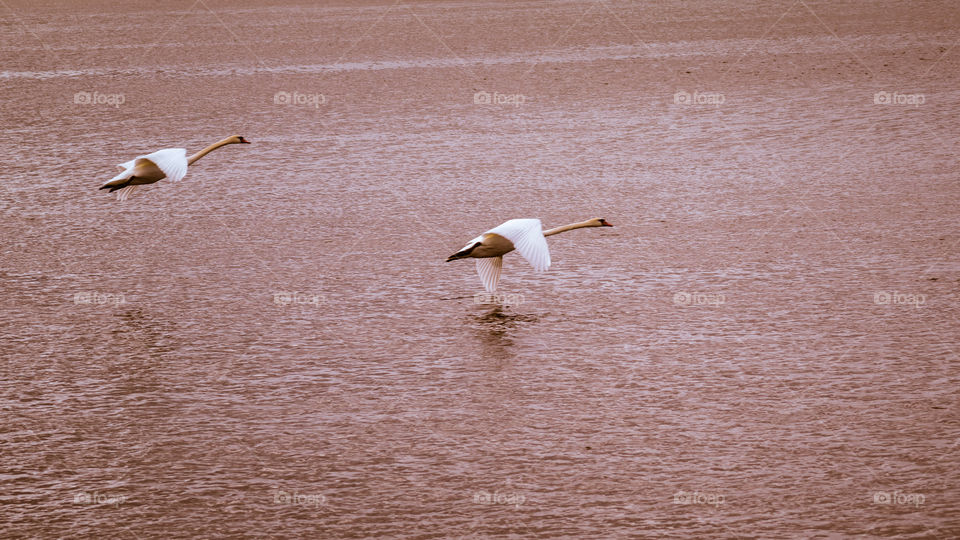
[605,224]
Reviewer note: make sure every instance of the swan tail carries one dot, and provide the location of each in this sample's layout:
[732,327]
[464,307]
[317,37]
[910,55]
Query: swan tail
[114,185]
[467,250]
[121,180]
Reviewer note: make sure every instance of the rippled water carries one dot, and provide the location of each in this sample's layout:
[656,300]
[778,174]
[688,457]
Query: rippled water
[763,346]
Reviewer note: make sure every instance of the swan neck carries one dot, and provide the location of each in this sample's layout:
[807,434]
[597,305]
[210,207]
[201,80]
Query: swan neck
[565,228]
[207,150]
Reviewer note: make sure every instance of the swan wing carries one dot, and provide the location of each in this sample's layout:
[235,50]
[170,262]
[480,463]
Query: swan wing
[124,193]
[127,165]
[172,161]
[489,270]
[527,238]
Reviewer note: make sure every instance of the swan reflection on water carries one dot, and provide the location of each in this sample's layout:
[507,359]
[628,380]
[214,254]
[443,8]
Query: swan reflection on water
[495,330]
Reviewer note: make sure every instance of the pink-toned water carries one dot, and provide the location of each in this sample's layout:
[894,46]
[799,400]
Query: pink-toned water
[764,346]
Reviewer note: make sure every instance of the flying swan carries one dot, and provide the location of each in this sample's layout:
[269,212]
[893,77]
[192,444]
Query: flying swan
[525,235]
[167,163]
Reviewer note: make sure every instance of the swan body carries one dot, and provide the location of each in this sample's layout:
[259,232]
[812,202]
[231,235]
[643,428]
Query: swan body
[167,163]
[524,235]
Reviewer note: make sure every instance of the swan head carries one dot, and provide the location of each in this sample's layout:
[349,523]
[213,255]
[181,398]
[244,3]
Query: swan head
[237,139]
[599,222]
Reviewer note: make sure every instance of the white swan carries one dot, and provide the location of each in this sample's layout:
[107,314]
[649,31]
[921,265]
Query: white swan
[167,163]
[525,235]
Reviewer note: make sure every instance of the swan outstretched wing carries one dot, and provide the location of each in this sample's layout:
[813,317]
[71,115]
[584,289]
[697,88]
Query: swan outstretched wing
[527,238]
[124,193]
[172,161]
[489,270]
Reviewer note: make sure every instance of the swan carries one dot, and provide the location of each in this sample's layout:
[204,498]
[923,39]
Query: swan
[525,235]
[167,163]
